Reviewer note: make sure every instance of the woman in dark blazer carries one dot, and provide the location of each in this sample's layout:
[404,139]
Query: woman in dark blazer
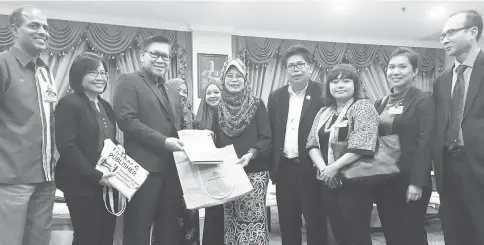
[409,113]
[83,120]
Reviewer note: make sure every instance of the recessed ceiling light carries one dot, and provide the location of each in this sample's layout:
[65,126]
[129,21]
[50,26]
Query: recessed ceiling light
[341,7]
[437,12]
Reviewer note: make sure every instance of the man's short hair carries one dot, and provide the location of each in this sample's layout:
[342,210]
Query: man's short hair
[16,17]
[154,39]
[473,18]
[297,50]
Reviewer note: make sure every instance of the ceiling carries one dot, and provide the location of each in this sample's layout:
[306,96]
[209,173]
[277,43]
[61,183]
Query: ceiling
[412,23]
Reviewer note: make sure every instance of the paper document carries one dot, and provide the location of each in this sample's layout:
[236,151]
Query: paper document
[199,147]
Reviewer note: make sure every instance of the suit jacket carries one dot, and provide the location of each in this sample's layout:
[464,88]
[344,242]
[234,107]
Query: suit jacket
[77,135]
[472,122]
[278,107]
[415,130]
[146,119]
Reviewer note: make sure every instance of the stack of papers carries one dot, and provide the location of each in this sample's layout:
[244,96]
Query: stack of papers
[199,147]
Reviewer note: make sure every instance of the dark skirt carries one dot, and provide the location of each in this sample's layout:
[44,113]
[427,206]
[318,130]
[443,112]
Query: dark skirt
[189,228]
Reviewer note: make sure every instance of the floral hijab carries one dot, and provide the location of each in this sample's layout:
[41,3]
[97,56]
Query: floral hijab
[236,111]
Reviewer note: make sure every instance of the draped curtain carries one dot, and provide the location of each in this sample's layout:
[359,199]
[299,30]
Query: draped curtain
[118,45]
[266,72]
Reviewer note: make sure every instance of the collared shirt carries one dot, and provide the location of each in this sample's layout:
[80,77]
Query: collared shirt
[469,61]
[27,100]
[161,84]
[291,141]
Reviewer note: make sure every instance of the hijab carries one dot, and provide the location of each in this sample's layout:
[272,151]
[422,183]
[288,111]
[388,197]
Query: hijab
[205,111]
[236,110]
[187,115]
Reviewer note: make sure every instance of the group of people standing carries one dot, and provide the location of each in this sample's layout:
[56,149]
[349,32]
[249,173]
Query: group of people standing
[289,143]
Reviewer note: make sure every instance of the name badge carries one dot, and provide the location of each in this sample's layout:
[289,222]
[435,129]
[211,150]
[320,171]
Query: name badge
[343,124]
[396,110]
[49,95]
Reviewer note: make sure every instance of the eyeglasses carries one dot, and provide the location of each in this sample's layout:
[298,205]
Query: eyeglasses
[94,74]
[231,76]
[299,66]
[156,55]
[452,32]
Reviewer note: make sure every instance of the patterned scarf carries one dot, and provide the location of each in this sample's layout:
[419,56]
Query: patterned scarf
[236,110]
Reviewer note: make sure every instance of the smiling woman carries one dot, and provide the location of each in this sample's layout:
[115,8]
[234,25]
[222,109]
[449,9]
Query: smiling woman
[83,120]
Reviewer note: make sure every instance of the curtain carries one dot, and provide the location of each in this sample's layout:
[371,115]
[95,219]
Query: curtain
[266,72]
[118,45]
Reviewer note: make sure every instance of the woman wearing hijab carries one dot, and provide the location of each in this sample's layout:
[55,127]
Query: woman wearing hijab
[242,121]
[214,216]
[210,101]
[189,219]
[181,86]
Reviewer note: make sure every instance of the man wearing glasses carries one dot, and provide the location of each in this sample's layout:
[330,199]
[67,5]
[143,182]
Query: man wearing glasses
[458,151]
[148,112]
[292,109]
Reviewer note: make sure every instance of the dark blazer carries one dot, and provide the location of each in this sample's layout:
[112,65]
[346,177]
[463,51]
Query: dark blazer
[77,135]
[278,107]
[472,122]
[145,119]
[415,130]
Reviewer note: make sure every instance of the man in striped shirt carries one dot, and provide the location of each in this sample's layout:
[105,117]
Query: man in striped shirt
[27,100]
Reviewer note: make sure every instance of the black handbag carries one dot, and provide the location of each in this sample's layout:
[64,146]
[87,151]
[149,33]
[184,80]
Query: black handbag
[380,167]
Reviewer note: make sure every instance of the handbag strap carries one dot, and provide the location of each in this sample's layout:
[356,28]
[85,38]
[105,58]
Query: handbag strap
[204,189]
[383,103]
[109,192]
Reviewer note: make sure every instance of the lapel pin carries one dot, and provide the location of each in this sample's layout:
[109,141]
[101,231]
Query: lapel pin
[308,97]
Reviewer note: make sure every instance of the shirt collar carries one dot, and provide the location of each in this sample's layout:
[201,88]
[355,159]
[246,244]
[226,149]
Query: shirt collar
[24,59]
[157,81]
[303,92]
[470,60]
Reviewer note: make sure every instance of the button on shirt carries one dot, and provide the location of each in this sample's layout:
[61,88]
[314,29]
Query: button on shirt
[27,99]
[467,76]
[291,141]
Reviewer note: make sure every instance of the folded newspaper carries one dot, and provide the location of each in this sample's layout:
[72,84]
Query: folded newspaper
[128,174]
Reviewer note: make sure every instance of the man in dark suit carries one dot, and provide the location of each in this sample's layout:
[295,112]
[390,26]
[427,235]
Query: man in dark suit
[149,114]
[292,109]
[458,151]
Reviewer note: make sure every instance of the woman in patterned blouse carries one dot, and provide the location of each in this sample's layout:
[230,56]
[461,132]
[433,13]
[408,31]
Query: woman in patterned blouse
[349,117]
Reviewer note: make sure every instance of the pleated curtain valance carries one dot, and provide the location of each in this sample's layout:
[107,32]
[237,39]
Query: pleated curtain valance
[108,40]
[260,51]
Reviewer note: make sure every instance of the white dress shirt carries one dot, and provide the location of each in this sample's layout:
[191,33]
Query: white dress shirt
[291,141]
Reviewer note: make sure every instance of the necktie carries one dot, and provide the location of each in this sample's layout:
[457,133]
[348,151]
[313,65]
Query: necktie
[456,109]
[164,98]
